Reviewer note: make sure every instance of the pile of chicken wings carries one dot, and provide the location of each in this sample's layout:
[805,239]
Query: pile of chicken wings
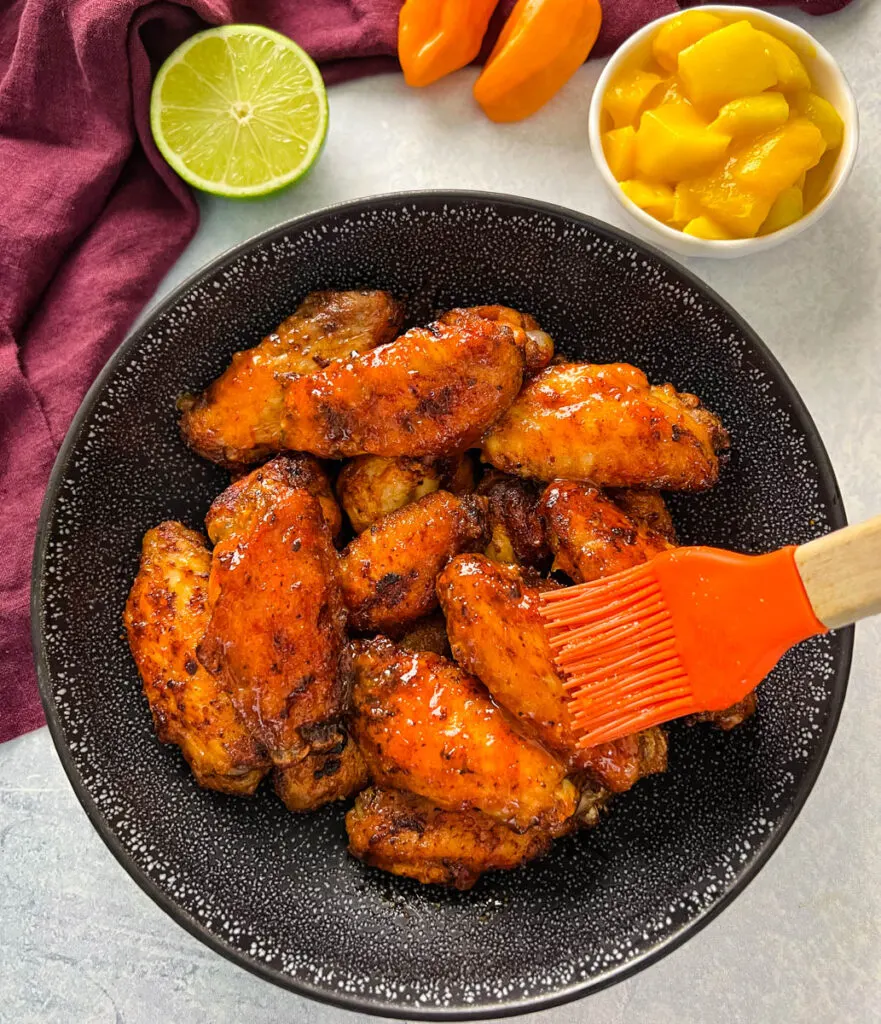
[369,627]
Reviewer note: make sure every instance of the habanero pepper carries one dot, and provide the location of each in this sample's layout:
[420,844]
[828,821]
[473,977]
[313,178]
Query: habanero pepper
[436,37]
[542,45]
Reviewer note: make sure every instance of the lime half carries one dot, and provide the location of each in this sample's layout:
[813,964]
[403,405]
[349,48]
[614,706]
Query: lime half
[239,111]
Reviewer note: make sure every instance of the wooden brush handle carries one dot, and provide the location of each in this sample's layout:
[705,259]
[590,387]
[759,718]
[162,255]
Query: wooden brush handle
[842,573]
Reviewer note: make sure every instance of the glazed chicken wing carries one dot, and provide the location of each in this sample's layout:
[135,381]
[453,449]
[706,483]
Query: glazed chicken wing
[516,533]
[388,572]
[428,634]
[646,508]
[408,835]
[251,497]
[496,633]
[238,419]
[539,348]
[371,486]
[433,391]
[606,425]
[332,770]
[426,726]
[275,639]
[165,617]
[590,535]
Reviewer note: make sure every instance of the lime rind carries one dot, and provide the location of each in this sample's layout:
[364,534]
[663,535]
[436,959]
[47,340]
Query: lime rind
[239,111]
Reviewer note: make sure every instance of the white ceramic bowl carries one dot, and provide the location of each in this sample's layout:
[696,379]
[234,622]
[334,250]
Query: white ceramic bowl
[830,83]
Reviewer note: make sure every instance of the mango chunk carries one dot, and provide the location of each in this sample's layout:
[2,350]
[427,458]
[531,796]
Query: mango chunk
[669,90]
[681,32]
[791,73]
[821,113]
[619,146]
[673,142]
[654,199]
[706,227]
[736,209]
[625,98]
[775,161]
[752,115]
[818,179]
[786,209]
[685,205]
[725,65]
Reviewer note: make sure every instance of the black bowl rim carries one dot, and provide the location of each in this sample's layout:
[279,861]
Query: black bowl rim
[837,518]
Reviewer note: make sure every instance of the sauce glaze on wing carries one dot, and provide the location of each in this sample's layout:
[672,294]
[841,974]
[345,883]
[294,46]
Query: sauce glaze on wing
[388,572]
[433,391]
[426,726]
[408,835]
[237,420]
[275,639]
[606,425]
[165,617]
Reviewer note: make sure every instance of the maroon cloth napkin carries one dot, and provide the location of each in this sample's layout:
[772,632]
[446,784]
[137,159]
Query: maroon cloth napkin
[91,218]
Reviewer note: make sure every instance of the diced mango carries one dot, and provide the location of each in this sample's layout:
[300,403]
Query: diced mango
[680,33]
[738,210]
[625,98]
[654,199]
[619,146]
[669,90]
[673,142]
[685,206]
[725,65]
[705,227]
[791,73]
[775,161]
[786,209]
[817,179]
[824,116]
[752,115]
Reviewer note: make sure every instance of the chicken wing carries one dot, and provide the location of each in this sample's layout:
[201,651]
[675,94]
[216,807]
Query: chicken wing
[516,533]
[427,634]
[332,770]
[731,717]
[371,486]
[238,419]
[388,572]
[496,633]
[646,508]
[606,425]
[245,502]
[165,617]
[426,726]
[408,835]
[589,534]
[539,349]
[433,391]
[275,638]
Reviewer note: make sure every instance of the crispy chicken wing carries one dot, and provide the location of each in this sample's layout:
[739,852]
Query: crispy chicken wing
[433,391]
[246,502]
[428,634]
[589,534]
[516,533]
[388,572]
[496,633]
[646,508]
[371,486]
[408,835]
[332,770]
[275,638]
[238,419]
[426,726]
[731,717]
[539,348]
[605,424]
[165,617]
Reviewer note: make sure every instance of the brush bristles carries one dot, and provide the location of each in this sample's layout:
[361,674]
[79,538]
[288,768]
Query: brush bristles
[614,644]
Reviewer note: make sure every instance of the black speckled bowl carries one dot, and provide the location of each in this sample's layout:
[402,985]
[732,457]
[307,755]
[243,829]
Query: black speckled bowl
[278,893]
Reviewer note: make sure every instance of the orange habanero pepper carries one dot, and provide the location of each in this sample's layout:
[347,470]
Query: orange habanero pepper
[436,37]
[542,45]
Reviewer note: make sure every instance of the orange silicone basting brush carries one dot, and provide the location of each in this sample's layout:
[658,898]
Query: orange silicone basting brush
[695,629]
